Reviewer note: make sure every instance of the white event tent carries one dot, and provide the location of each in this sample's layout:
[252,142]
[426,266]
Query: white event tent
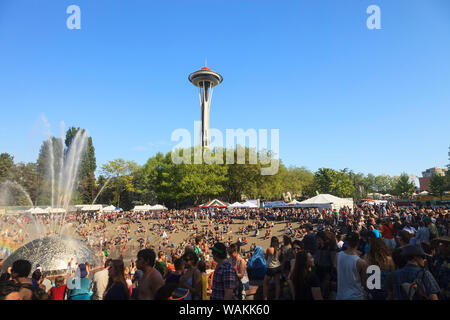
[55,210]
[109,209]
[145,207]
[236,205]
[37,210]
[326,201]
[92,207]
[249,204]
[158,207]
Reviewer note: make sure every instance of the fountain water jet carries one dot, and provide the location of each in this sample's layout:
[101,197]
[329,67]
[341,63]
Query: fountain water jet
[64,178]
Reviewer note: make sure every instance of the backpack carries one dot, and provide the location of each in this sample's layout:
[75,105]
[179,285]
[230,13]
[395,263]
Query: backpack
[415,290]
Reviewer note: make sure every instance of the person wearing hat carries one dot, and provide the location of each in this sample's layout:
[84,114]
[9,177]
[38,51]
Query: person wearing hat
[79,286]
[225,280]
[414,271]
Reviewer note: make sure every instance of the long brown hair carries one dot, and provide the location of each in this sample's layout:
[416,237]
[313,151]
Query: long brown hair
[119,276]
[275,243]
[301,269]
[378,253]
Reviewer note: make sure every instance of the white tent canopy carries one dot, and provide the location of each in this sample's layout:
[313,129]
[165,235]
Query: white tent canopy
[249,204]
[326,201]
[55,210]
[158,207]
[145,207]
[108,209]
[37,210]
[92,207]
[236,205]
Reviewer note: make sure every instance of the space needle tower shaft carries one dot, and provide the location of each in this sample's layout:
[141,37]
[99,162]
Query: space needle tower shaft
[205,80]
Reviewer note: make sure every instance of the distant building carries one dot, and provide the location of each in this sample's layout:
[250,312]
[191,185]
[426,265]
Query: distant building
[424,182]
[427,174]
[436,170]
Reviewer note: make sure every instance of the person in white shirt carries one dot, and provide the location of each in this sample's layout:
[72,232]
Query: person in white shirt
[100,282]
[351,271]
[410,229]
[46,282]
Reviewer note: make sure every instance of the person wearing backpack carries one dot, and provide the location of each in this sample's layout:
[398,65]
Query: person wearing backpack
[413,281]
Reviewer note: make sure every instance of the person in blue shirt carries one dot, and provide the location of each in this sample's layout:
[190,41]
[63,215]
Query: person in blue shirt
[376,232]
[79,288]
[414,270]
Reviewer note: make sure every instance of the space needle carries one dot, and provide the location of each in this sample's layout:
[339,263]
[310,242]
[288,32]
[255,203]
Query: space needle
[205,79]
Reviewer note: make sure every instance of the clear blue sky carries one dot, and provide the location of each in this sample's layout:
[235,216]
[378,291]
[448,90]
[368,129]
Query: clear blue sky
[375,101]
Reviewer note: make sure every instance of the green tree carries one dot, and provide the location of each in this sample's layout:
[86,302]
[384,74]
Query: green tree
[122,177]
[27,175]
[403,186]
[437,185]
[384,184]
[295,180]
[6,166]
[334,182]
[241,179]
[105,195]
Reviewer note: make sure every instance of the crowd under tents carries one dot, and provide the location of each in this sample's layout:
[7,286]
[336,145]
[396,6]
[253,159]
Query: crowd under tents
[326,201]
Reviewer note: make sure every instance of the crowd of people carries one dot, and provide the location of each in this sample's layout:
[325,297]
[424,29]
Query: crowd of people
[370,252]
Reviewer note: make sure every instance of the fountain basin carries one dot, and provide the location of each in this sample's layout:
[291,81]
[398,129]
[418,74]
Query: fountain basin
[52,254]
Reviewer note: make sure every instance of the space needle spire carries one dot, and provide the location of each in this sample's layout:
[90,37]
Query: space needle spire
[205,80]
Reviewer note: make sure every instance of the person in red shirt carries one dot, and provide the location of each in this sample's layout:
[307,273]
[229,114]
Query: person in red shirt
[59,291]
[387,230]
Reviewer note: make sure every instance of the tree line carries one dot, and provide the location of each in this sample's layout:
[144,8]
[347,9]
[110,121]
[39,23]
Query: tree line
[125,183]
